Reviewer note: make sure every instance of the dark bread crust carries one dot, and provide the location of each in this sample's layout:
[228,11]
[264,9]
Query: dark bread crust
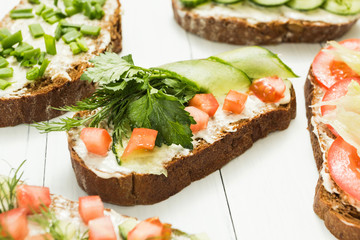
[342,220]
[136,188]
[37,104]
[240,31]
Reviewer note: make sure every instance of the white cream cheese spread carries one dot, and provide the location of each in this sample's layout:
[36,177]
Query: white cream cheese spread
[63,60]
[153,161]
[255,14]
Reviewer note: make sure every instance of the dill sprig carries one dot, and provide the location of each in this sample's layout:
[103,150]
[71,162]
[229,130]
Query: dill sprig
[8,189]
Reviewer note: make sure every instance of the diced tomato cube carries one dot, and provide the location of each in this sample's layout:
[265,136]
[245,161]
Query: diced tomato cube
[205,102]
[151,228]
[90,207]
[268,90]
[201,118]
[235,102]
[96,140]
[14,224]
[141,138]
[33,198]
[46,236]
[101,229]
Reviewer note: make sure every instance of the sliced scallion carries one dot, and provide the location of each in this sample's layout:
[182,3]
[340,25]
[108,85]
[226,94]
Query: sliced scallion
[55,2]
[100,2]
[11,40]
[39,9]
[58,31]
[87,8]
[75,48]
[99,12]
[4,84]
[6,72]
[21,13]
[82,44]
[70,11]
[33,53]
[71,36]
[46,12]
[50,44]
[43,67]
[53,19]
[72,25]
[3,62]
[34,1]
[90,30]
[6,52]
[22,47]
[4,32]
[28,62]
[68,29]
[41,58]
[36,30]
[68,3]
[33,73]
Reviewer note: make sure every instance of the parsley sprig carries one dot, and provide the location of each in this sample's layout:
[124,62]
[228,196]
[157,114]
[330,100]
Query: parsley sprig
[133,97]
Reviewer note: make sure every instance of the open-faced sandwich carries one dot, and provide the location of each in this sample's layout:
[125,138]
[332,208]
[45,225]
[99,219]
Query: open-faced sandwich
[333,109]
[266,21]
[32,213]
[45,47]
[146,134]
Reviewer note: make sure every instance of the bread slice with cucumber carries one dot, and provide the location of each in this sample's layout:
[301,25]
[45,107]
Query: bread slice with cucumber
[148,133]
[250,22]
[45,49]
[332,92]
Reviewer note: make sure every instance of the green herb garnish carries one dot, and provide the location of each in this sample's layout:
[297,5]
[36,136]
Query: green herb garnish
[133,97]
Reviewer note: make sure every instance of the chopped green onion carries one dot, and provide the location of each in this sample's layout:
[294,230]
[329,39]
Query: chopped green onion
[71,36]
[82,44]
[39,9]
[90,30]
[36,30]
[53,19]
[34,1]
[55,2]
[68,3]
[21,13]
[99,12]
[12,40]
[28,62]
[78,3]
[70,11]
[87,8]
[4,84]
[3,62]
[6,72]
[43,67]
[100,2]
[68,29]
[75,48]
[33,53]
[46,12]
[7,52]
[33,73]
[58,31]
[72,25]
[4,32]
[50,44]
[41,58]
[22,47]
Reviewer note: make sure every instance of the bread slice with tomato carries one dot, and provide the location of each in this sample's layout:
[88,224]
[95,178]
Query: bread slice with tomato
[148,133]
[32,213]
[332,90]
[45,49]
[250,22]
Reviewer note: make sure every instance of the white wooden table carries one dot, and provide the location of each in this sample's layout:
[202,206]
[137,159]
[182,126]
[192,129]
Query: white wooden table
[266,193]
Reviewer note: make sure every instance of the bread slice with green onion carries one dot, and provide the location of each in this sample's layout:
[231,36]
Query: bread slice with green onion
[45,49]
[250,22]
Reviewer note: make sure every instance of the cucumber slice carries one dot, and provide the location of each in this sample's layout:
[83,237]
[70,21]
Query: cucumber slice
[126,226]
[270,3]
[215,77]
[305,4]
[227,1]
[193,3]
[257,62]
[344,7]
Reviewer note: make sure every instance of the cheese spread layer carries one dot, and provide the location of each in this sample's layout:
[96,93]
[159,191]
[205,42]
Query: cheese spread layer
[62,62]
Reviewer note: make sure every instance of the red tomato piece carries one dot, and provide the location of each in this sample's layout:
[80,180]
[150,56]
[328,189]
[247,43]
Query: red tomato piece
[205,102]
[14,224]
[101,229]
[201,118]
[33,198]
[90,207]
[327,71]
[46,236]
[151,228]
[96,140]
[235,102]
[269,89]
[141,138]
[343,166]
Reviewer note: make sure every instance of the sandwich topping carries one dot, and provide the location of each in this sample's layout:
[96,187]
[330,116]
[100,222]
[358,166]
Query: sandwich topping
[158,114]
[337,13]
[63,41]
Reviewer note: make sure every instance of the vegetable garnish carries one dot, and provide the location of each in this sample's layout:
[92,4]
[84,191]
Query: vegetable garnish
[21,13]
[133,97]
[50,44]
[11,40]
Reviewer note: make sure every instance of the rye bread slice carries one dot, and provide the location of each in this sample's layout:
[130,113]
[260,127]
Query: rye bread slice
[241,31]
[340,217]
[135,188]
[37,103]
